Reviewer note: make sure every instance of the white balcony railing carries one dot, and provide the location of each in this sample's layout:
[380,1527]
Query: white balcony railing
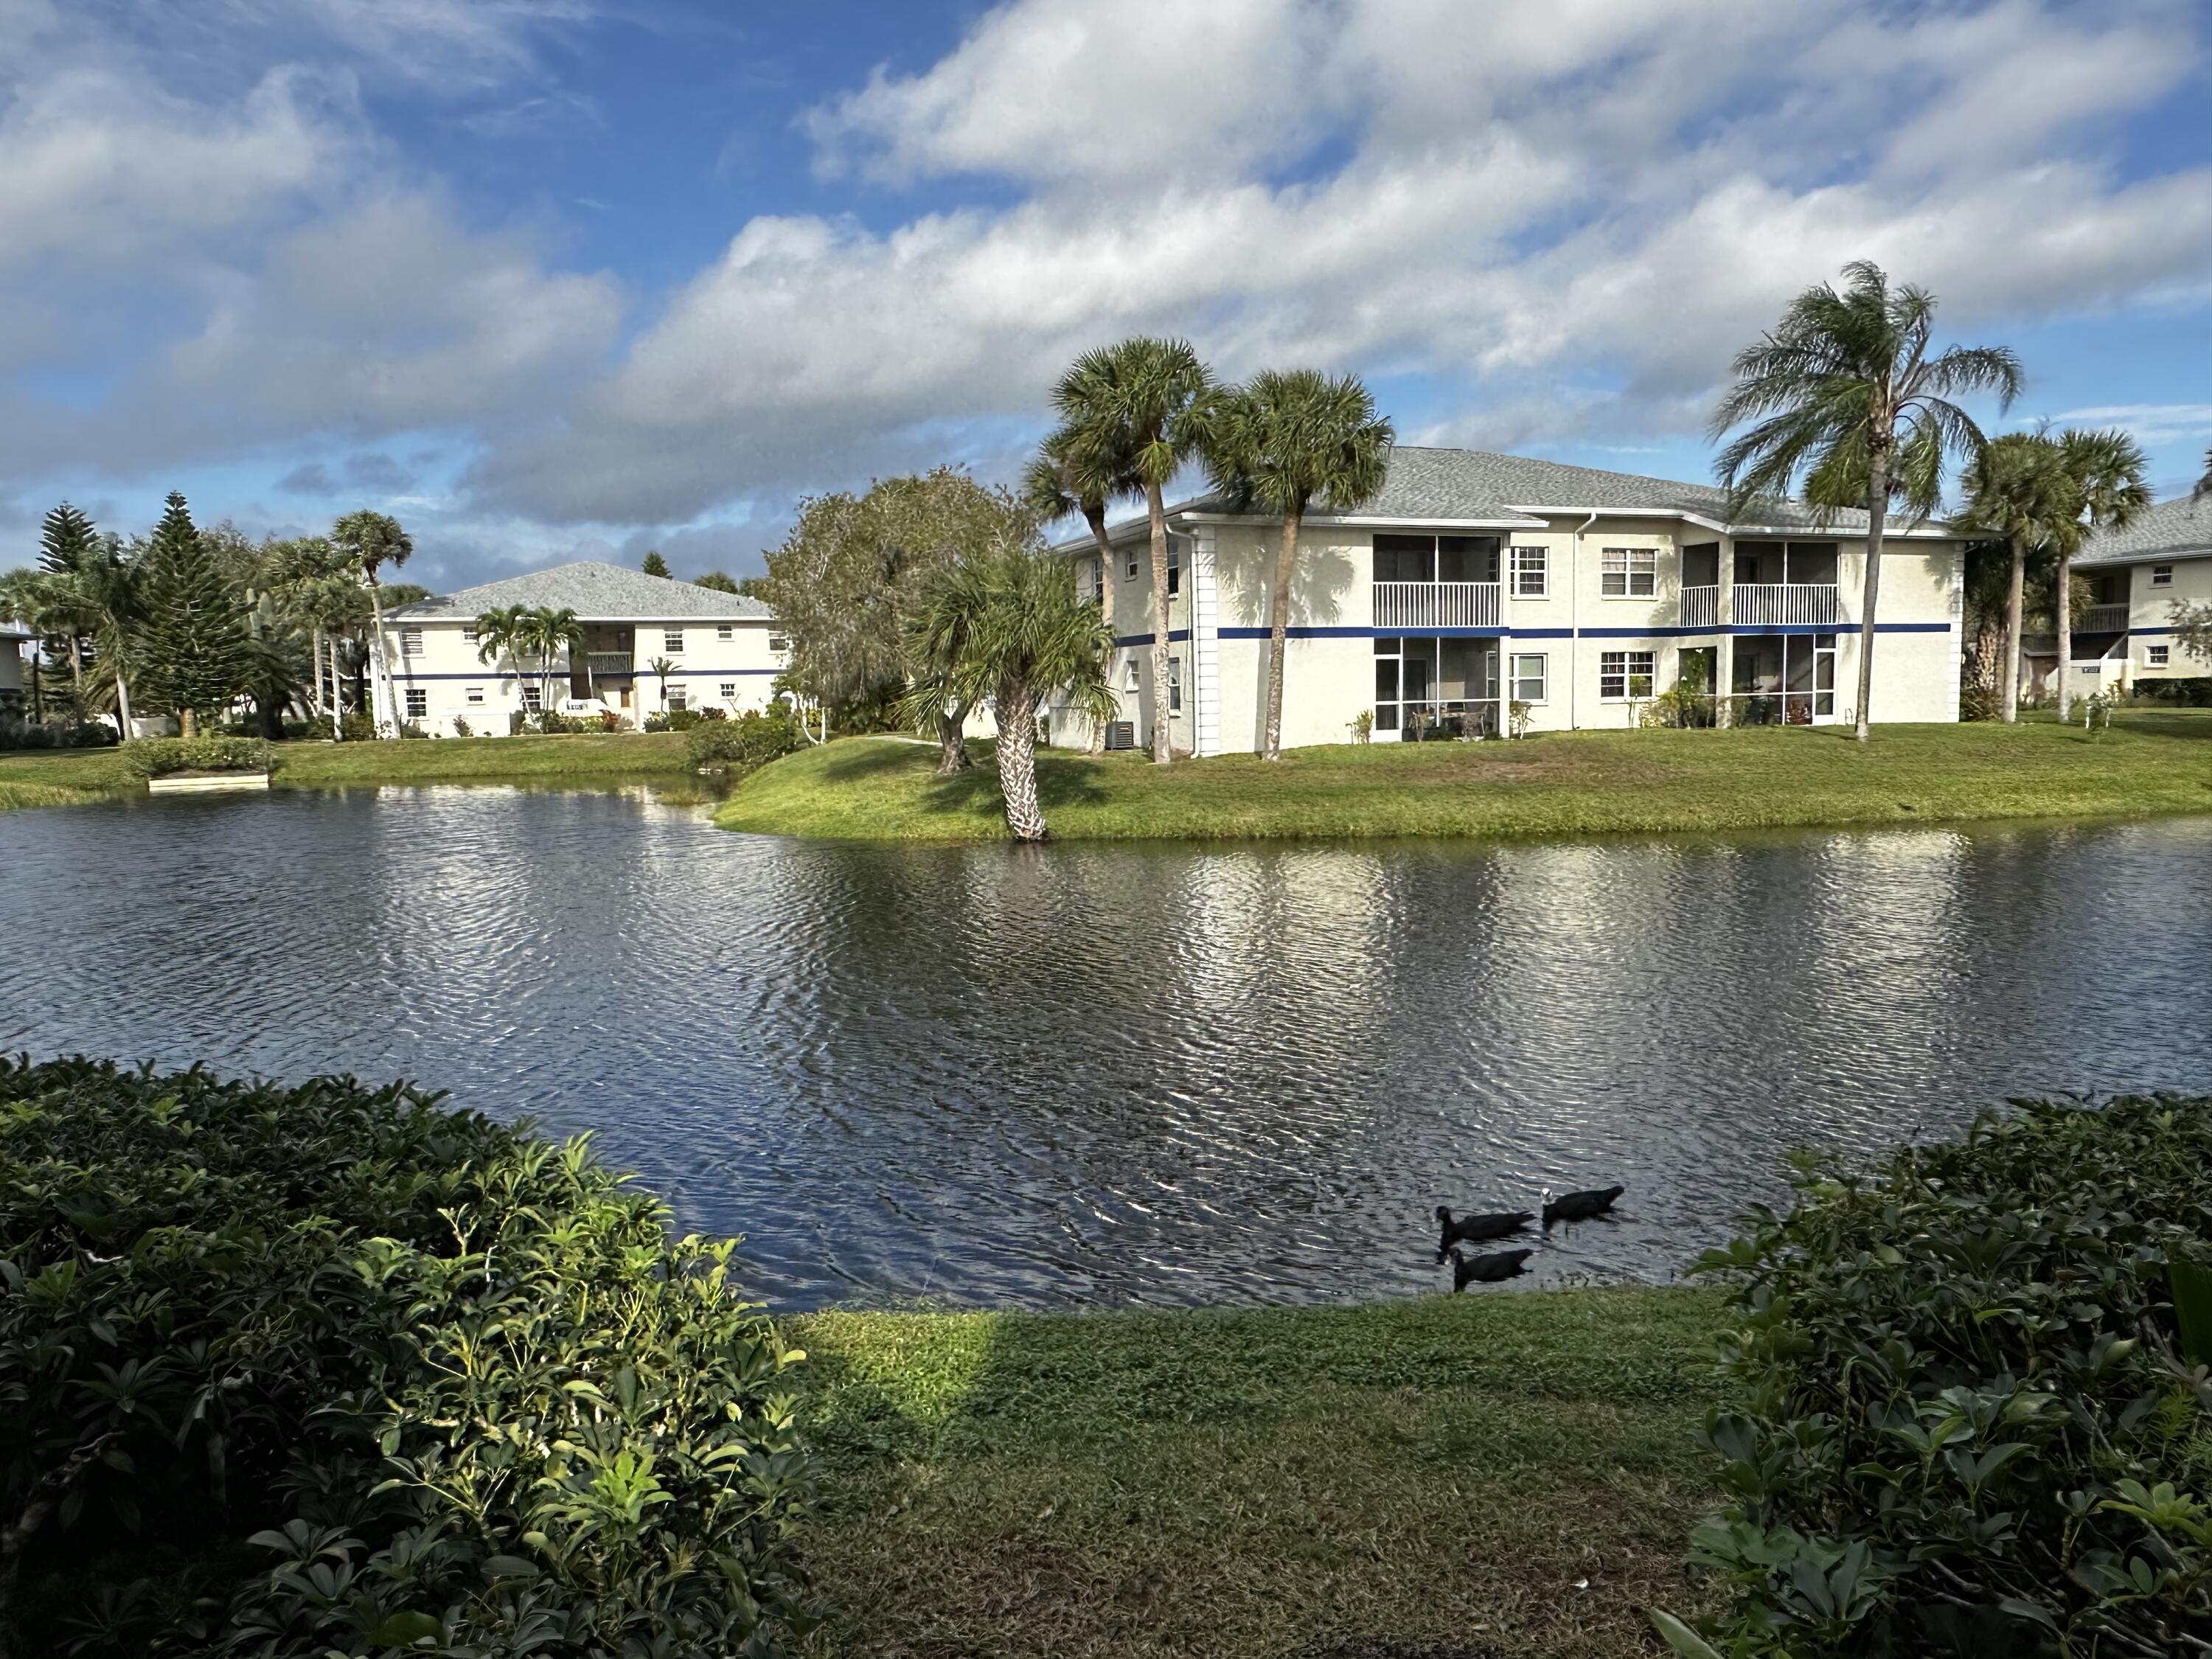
[609,662]
[1701,607]
[1435,605]
[1776,605]
[2101,619]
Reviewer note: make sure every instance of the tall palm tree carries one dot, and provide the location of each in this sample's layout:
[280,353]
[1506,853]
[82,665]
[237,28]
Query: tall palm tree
[372,540]
[1844,392]
[1143,399]
[664,667]
[2103,474]
[1008,626]
[2017,492]
[505,632]
[2204,483]
[1287,440]
[1071,475]
[553,633]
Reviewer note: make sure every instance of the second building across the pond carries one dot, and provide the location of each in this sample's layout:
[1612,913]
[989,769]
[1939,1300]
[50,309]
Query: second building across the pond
[1480,591]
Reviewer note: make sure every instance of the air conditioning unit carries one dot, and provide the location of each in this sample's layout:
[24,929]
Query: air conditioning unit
[1120,734]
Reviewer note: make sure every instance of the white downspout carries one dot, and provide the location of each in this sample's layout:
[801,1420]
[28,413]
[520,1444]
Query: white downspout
[1575,625]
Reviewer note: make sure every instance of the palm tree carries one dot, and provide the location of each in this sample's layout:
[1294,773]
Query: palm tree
[2204,484]
[372,540]
[1288,439]
[1844,392]
[2017,492]
[505,632]
[27,595]
[664,667]
[2103,475]
[553,632]
[1008,625]
[1071,475]
[1143,400]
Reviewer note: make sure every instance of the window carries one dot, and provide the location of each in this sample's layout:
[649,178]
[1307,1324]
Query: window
[474,693]
[724,631]
[1624,674]
[2089,668]
[468,636]
[530,694]
[2162,575]
[410,641]
[1129,681]
[1090,578]
[418,703]
[678,699]
[1629,573]
[729,689]
[1130,574]
[1175,566]
[1175,684]
[777,642]
[671,641]
[2155,656]
[1532,574]
[1529,679]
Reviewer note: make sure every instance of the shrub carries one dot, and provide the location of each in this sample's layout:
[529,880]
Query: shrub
[1971,1427]
[1978,702]
[754,738]
[16,733]
[157,757]
[2191,692]
[359,726]
[453,1384]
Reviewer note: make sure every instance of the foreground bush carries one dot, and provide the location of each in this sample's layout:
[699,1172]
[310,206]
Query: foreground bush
[160,757]
[336,1371]
[1974,1425]
[754,738]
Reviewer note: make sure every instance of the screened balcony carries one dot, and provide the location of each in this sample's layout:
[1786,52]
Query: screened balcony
[1436,582]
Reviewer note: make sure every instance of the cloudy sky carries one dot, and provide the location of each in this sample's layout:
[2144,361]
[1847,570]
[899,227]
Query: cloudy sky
[563,278]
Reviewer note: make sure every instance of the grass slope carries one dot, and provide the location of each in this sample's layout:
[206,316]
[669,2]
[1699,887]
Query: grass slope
[1560,783]
[60,778]
[1255,1483]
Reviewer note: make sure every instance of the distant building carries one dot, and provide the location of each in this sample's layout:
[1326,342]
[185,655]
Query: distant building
[13,638]
[2124,634]
[1475,581]
[722,650]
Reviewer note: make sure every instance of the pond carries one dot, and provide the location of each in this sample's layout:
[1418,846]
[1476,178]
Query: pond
[1124,1073]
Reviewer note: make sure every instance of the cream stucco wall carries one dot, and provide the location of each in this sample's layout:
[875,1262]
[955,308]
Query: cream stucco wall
[2150,615]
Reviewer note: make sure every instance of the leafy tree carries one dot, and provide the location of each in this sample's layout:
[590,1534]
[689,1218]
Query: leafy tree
[717,579]
[194,641]
[2193,627]
[27,595]
[2103,474]
[316,586]
[1144,400]
[1008,627]
[654,565]
[2017,493]
[1288,439]
[372,540]
[1075,475]
[1844,392]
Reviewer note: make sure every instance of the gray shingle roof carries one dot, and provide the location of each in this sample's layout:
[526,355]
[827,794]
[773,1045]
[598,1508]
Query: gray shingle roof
[596,593]
[1476,484]
[2181,528]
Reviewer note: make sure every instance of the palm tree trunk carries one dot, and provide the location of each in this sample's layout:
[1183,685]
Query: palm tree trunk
[951,744]
[76,676]
[38,685]
[1278,632]
[1877,523]
[187,723]
[379,672]
[1018,764]
[1097,519]
[1163,727]
[2065,633]
[2013,595]
[122,699]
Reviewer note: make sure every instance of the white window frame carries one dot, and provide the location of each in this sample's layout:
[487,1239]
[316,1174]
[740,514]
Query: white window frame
[468,636]
[2162,575]
[1626,675]
[1175,566]
[725,631]
[1629,566]
[530,697]
[1130,574]
[1132,680]
[418,701]
[778,642]
[1516,676]
[472,694]
[671,641]
[729,689]
[1175,685]
[678,699]
[1527,563]
[2156,656]
[410,641]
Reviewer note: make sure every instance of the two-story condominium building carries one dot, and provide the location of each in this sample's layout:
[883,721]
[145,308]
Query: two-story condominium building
[712,649]
[2124,635]
[1475,581]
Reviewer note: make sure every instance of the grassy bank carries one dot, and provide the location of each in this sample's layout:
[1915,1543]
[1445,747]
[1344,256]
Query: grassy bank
[1560,783]
[1445,1470]
[59,778]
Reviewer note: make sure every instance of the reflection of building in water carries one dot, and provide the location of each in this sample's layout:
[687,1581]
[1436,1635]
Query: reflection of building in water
[1300,927]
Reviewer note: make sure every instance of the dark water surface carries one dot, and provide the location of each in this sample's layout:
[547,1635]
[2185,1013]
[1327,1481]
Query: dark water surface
[1122,1073]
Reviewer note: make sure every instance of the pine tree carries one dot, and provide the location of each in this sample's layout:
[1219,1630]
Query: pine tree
[67,541]
[654,565]
[68,550]
[194,650]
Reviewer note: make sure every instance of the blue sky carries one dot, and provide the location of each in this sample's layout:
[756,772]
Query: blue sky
[563,278]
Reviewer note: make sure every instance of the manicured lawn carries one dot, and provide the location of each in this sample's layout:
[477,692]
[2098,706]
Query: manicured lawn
[1563,783]
[1442,1470]
[57,778]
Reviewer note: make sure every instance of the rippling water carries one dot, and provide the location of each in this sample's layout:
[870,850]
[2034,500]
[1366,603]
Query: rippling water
[1123,1073]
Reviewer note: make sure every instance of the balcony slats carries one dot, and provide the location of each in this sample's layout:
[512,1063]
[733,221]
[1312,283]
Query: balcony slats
[1793,604]
[1435,605]
[1701,607]
[2101,619]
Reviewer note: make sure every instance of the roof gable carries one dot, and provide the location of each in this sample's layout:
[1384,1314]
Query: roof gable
[596,593]
[2180,529]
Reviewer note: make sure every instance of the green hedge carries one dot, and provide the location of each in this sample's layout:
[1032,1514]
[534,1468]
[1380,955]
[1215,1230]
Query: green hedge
[1975,1422]
[754,738]
[335,1370]
[158,757]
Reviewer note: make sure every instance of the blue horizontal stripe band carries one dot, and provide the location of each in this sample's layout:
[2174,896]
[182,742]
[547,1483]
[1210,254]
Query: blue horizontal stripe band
[1736,629]
[408,675]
